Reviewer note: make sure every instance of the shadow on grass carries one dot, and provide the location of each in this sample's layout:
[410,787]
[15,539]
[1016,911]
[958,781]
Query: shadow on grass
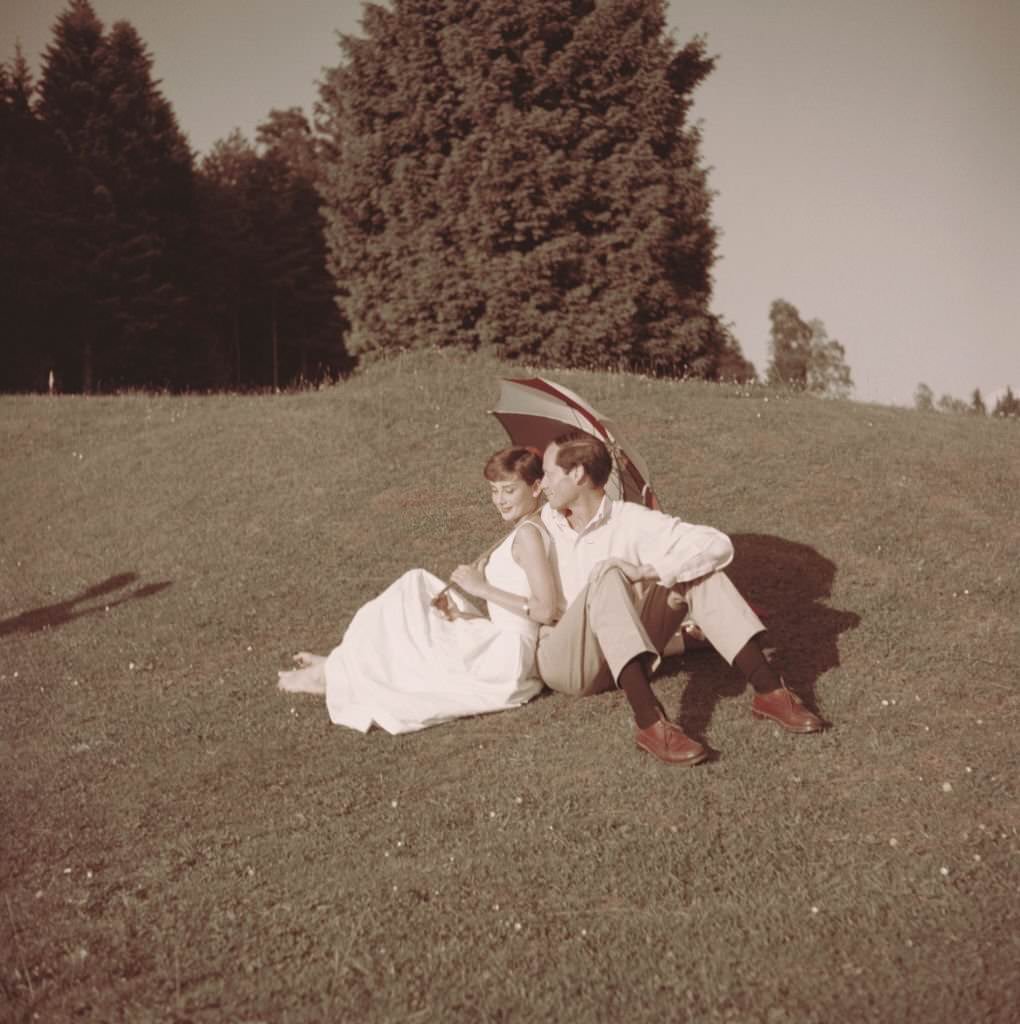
[789,584]
[52,615]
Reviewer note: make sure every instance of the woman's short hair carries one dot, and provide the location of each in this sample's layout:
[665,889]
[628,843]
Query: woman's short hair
[525,463]
[577,448]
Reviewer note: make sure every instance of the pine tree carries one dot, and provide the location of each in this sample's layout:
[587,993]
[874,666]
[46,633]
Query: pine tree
[522,177]
[26,190]
[127,214]
[231,255]
[271,295]
[732,365]
[924,398]
[977,403]
[69,100]
[1008,405]
[305,320]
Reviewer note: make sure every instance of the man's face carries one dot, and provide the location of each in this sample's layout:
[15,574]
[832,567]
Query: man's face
[560,487]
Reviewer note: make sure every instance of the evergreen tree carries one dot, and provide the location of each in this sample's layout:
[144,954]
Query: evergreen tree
[79,220]
[924,398]
[126,215]
[732,365]
[523,177]
[977,403]
[1007,405]
[27,189]
[271,295]
[231,255]
[307,328]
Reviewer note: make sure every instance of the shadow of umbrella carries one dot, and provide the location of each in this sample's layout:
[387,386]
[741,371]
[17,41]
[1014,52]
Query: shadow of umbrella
[53,615]
[789,583]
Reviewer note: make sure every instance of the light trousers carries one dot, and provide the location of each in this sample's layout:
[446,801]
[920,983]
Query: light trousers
[607,625]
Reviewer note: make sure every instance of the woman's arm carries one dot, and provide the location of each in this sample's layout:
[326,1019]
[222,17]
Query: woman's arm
[529,553]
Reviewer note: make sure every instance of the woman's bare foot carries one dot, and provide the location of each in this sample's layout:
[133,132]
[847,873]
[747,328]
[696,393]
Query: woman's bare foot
[303,659]
[310,679]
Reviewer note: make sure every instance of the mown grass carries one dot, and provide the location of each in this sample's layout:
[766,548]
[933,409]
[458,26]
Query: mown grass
[181,842]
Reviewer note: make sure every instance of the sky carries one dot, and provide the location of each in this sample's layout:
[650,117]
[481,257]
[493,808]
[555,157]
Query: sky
[865,157]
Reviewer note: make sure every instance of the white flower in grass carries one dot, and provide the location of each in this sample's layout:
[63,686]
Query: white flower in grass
[947,787]
[944,872]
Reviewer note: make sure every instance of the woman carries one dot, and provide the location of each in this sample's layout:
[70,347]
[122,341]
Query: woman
[414,656]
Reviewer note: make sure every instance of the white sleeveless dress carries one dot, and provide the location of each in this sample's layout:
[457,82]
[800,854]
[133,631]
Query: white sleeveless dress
[403,667]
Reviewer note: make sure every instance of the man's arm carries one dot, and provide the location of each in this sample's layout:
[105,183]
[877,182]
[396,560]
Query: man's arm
[679,552]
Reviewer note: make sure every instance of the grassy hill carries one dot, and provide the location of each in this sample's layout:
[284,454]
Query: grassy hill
[181,842]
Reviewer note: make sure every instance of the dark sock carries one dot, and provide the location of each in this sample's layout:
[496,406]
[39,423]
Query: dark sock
[635,685]
[751,664]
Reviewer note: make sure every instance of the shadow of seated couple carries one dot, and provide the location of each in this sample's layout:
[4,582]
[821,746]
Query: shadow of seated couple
[789,585]
[62,612]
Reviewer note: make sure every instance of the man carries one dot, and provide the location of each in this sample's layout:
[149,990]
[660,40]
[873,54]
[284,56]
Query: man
[609,634]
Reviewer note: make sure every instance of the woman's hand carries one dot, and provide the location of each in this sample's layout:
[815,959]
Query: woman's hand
[469,579]
[445,607]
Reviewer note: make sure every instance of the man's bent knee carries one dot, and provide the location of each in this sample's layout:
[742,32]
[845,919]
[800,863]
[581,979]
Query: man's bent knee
[606,571]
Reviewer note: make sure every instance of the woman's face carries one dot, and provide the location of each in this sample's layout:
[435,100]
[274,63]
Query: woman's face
[514,497]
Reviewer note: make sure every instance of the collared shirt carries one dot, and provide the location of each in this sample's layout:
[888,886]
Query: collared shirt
[678,551]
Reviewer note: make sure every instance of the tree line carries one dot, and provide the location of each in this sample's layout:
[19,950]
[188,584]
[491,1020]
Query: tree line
[126,263]
[524,179]
[1006,405]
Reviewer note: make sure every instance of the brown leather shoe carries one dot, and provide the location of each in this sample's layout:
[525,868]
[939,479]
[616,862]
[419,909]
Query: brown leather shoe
[669,743]
[785,708]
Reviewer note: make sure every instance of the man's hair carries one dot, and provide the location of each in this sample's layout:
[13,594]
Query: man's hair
[514,462]
[576,448]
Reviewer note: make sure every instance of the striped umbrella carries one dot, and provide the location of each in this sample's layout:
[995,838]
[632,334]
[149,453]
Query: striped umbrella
[535,411]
